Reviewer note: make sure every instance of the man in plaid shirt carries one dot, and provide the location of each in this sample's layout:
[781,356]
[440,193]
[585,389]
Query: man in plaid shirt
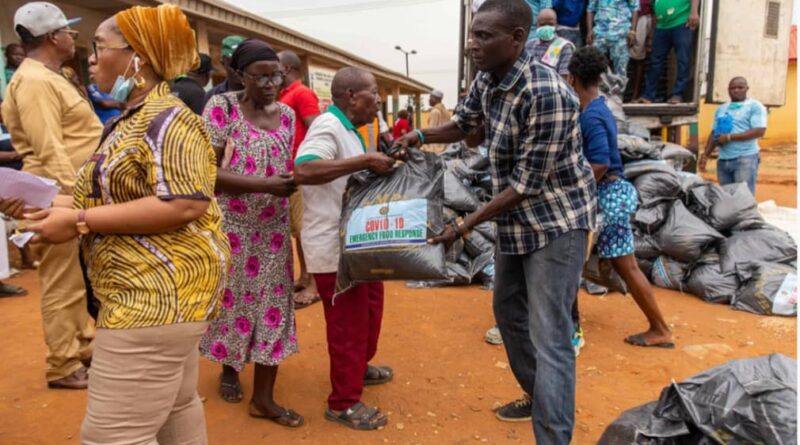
[544,204]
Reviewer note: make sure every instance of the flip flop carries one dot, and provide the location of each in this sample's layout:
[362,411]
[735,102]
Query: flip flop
[9,290]
[638,340]
[233,387]
[288,418]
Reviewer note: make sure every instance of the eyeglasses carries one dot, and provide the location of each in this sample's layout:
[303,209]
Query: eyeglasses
[275,79]
[96,46]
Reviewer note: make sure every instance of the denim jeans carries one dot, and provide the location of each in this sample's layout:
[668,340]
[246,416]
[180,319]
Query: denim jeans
[533,298]
[743,169]
[680,38]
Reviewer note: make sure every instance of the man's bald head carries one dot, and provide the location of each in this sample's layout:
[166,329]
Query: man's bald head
[547,17]
[355,92]
[350,80]
[291,60]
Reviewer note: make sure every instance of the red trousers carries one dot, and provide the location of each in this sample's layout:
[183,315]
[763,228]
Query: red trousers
[353,326]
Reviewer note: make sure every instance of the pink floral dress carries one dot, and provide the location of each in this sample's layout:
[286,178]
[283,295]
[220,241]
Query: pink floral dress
[256,323]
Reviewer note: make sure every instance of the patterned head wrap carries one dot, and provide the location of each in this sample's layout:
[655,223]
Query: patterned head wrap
[162,36]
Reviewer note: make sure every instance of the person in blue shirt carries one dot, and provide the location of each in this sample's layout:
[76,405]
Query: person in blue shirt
[569,14]
[104,104]
[617,198]
[738,125]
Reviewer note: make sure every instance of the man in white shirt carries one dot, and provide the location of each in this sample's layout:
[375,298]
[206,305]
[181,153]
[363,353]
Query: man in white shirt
[333,150]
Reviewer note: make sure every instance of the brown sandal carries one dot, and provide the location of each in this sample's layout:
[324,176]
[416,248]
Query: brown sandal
[288,418]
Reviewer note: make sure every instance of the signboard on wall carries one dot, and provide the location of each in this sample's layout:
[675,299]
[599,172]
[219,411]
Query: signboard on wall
[319,80]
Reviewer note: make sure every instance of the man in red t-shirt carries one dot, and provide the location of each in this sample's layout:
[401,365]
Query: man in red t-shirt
[401,126]
[305,104]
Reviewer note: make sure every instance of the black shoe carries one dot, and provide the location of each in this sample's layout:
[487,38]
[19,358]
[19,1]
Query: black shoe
[516,411]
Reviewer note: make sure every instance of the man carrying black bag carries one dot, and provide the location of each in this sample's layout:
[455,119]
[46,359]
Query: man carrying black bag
[544,204]
[333,150]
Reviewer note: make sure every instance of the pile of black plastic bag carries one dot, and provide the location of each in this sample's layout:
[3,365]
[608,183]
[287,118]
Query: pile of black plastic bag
[695,236]
[467,186]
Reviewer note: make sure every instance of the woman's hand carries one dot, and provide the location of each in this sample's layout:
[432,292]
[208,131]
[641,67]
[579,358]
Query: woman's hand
[55,225]
[282,185]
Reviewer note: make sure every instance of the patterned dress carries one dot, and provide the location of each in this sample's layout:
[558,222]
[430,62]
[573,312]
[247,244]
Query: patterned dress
[256,322]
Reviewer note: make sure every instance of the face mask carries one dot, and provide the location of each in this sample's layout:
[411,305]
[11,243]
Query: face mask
[122,87]
[546,33]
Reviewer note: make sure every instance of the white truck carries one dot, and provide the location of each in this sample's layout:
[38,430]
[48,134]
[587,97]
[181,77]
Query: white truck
[747,38]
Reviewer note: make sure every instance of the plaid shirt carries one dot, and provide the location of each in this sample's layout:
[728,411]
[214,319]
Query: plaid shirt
[535,147]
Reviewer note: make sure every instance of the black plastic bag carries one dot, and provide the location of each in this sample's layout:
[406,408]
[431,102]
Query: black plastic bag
[668,273]
[684,236]
[600,271]
[723,207]
[767,288]
[650,218]
[488,229]
[634,169]
[645,265]
[645,246]
[745,401]
[678,156]
[476,244]
[707,280]
[635,148]
[458,196]
[653,187]
[635,129]
[386,222]
[769,244]
[455,250]
[688,181]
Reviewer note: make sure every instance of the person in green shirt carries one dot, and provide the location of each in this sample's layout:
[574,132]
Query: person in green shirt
[15,54]
[676,22]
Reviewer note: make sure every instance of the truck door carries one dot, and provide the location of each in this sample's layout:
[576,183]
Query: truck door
[750,38]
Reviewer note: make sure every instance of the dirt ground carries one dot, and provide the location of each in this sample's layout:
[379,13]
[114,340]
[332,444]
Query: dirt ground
[447,379]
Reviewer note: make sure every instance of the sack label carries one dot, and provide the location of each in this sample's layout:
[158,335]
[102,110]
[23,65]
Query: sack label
[785,302]
[398,223]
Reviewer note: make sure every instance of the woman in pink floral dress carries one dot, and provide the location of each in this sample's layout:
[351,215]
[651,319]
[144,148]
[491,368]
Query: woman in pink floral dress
[256,322]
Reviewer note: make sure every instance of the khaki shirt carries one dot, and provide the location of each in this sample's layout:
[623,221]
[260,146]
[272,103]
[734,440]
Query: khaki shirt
[52,126]
[438,117]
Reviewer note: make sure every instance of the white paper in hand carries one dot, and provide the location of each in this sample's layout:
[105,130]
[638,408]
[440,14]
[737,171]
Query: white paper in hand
[34,191]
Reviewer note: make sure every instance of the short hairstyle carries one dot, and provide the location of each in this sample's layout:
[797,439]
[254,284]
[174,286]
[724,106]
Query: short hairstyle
[290,59]
[348,78]
[402,114]
[588,64]
[517,13]
[738,78]
[29,42]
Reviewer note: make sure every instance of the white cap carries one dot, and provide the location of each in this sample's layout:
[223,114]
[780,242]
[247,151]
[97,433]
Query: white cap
[437,93]
[39,18]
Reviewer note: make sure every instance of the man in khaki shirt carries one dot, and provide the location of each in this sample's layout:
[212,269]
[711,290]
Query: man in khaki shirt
[54,129]
[437,117]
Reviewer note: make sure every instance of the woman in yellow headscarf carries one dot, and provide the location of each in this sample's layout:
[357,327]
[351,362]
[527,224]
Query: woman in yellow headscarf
[150,236]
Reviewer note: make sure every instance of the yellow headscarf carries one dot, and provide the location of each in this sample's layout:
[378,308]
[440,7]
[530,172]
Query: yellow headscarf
[161,36]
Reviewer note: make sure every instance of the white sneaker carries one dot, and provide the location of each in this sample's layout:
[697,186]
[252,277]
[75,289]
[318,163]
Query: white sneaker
[493,336]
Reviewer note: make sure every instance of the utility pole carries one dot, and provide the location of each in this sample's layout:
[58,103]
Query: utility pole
[413,51]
